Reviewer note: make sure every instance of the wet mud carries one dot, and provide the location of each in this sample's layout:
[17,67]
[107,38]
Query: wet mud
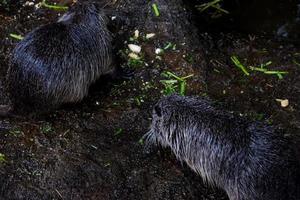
[92,150]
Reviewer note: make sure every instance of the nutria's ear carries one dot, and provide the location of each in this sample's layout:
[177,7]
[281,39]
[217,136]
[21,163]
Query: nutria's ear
[157,110]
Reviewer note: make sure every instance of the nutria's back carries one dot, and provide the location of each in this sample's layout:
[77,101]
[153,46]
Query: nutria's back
[249,160]
[56,63]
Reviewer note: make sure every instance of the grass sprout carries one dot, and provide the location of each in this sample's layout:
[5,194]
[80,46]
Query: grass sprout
[17,37]
[54,7]
[239,65]
[135,63]
[262,68]
[212,4]
[297,63]
[155,9]
[174,83]
[2,158]
[119,131]
[141,141]
[170,46]
[46,128]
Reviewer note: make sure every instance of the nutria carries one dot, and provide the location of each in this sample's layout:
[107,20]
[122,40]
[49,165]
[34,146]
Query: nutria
[249,160]
[56,63]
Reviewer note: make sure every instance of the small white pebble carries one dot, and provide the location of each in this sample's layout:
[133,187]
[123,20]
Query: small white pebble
[113,17]
[150,35]
[158,57]
[133,56]
[97,103]
[136,34]
[158,51]
[37,6]
[28,3]
[134,48]
[283,102]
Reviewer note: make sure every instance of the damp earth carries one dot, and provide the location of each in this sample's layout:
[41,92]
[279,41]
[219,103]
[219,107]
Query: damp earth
[93,149]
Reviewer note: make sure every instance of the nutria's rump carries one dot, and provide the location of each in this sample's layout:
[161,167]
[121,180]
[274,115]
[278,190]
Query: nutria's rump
[56,63]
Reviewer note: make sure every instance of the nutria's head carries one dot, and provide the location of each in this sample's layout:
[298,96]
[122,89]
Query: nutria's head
[175,119]
[86,13]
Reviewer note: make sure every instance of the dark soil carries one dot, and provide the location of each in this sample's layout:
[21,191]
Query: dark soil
[92,150]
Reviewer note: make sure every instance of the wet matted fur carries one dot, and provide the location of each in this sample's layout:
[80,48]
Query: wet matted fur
[249,160]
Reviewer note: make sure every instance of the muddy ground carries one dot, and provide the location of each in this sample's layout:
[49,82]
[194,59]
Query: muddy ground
[92,150]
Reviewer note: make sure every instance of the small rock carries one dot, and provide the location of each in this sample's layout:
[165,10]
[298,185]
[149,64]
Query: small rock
[134,48]
[158,51]
[136,34]
[28,3]
[133,56]
[150,35]
[283,102]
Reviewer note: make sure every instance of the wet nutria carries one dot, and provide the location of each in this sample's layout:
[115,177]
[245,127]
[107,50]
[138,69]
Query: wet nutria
[56,63]
[249,160]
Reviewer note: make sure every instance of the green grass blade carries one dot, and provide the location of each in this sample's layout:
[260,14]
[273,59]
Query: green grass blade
[15,36]
[155,9]
[239,65]
[54,7]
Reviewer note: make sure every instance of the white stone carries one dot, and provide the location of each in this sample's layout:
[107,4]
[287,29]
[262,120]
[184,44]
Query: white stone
[135,48]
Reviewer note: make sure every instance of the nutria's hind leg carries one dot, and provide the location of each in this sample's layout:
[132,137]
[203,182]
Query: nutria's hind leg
[124,73]
[121,73]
